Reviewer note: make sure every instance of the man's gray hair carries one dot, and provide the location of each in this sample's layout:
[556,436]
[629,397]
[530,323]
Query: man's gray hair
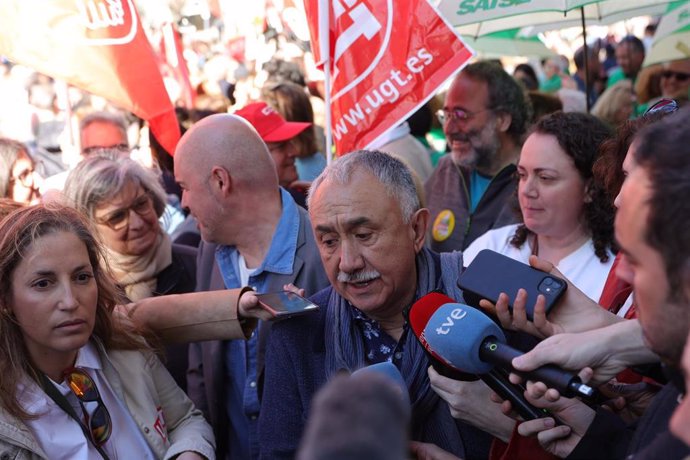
[97,179]
[393,174]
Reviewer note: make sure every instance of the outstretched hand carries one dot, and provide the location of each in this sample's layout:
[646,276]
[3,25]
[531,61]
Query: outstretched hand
[575,312]
[250,308]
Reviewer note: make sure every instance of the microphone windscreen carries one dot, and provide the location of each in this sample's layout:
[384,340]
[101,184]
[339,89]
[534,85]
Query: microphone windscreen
[388,370]
[456,332]
[420,313]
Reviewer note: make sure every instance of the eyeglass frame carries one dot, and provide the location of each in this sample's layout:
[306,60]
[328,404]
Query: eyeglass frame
[668,73]
[127,210]
[27,173]
[81,397]
[665,105]
[443,117]
[99,149]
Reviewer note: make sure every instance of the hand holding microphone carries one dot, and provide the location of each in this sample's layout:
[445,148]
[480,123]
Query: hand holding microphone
[418,316]
[468,340]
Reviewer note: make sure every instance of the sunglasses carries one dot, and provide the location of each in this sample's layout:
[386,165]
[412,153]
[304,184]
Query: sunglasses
[119,219]
[679,76]
[85,390]
[662,106]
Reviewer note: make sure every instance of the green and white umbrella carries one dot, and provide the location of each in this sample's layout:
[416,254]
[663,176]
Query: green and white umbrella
[508,43]
[481,17]
[672,37]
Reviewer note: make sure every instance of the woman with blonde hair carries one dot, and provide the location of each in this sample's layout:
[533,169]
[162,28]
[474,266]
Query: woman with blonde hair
[616,104]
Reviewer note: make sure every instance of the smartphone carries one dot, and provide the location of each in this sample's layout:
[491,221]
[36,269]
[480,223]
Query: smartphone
[285,304]
[491,273]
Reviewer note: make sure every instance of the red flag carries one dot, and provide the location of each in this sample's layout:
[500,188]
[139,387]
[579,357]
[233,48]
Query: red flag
[387,58]
[174,64]
[96,45]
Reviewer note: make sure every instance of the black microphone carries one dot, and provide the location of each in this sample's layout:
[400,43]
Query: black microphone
[468,340]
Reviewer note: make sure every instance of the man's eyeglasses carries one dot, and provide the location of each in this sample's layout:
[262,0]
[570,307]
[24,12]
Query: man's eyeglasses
[84,388]
[101,149]
[662,106]
[445,116]
[119,219]
[679,76]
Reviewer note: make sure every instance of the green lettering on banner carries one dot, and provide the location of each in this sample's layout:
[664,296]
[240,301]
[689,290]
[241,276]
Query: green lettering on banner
[471,6]
[466,7]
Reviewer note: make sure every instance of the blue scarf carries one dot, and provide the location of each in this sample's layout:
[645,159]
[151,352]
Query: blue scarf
[431,417]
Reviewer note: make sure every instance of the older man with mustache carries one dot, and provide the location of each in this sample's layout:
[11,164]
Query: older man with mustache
[370,232]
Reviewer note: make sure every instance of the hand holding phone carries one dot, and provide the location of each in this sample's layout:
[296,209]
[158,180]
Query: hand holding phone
[285,304]
[491,273]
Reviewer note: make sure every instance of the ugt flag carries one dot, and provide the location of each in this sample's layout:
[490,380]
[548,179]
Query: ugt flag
[96,45]
[386,57]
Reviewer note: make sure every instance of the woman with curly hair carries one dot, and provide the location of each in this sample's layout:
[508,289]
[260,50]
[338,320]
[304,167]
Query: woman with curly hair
[566,213]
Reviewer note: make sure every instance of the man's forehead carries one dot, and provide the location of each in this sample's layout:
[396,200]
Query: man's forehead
[361,197]
[631,218]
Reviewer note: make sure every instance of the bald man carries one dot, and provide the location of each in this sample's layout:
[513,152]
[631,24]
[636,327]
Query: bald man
[253,234]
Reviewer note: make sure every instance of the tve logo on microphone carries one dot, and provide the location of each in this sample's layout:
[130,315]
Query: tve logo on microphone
[455,315]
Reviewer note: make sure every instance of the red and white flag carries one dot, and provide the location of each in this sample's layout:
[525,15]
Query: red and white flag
[95,45]
[174,65]
[386,58]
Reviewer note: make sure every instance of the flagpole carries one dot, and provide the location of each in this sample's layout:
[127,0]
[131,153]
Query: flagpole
[325,52]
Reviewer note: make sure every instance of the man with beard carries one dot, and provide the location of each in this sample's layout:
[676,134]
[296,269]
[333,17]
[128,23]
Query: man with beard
[472,190]
[656,261]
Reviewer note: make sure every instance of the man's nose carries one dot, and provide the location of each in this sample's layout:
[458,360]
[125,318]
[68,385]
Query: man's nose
[350,257]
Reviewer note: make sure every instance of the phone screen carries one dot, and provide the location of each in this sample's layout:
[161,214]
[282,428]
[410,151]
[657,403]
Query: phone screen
[285,303]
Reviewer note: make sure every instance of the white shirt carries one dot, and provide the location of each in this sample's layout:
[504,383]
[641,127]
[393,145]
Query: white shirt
[582,267]
[61,437]
[245,272]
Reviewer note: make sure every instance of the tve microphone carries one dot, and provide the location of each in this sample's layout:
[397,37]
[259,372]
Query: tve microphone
[418,316]
[467,339]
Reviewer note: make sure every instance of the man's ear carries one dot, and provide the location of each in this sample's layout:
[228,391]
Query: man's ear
[419,224]
[503,121]
[220,180]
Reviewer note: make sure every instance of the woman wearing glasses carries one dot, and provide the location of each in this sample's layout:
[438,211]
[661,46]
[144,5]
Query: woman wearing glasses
[76,382]
[125,201]
[18,178]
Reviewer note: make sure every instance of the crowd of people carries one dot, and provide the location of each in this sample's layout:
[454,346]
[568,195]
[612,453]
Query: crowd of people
[131,325]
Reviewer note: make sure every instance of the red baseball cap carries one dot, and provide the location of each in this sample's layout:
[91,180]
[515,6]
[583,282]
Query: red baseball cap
[269,124]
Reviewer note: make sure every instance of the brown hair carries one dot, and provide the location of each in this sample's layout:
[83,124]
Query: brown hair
[18,232]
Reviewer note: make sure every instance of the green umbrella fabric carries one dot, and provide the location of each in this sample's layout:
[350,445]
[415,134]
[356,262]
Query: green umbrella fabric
[672,38]
[508,43]
[481,17]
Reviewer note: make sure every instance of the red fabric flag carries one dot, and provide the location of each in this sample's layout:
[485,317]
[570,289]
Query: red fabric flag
[95,45]
[174,64]
[387,58]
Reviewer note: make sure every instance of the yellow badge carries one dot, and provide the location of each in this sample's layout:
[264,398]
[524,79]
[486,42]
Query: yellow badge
[444,224]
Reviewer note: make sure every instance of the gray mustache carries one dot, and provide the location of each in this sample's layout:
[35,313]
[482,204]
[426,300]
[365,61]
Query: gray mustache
[358,277]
